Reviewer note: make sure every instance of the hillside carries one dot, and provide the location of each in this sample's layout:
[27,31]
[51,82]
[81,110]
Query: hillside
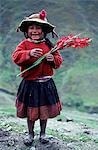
[77,79]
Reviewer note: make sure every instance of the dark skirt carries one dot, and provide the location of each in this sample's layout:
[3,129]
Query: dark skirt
[37,100]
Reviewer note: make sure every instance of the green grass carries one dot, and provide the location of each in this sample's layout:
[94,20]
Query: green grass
[71,138]
[7,110]
[80,83]
[80,117]
[12,126]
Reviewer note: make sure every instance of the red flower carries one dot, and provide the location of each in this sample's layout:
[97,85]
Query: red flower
[60,42]
[72,41]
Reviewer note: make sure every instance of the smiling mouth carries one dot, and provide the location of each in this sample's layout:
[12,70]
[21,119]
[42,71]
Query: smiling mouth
[35,34]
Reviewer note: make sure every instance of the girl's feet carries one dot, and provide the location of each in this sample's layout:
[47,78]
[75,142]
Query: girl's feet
[29,140]
[43,139]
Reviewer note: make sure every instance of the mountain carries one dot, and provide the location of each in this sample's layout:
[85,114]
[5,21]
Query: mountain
[77,79]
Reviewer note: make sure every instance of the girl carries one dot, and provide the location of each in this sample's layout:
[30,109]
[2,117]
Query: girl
[37,96]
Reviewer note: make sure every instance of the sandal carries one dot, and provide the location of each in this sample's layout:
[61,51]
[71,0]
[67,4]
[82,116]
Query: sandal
[29,140]
[43,139]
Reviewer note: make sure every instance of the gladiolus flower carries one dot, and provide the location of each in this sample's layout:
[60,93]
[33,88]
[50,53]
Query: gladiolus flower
[71,41]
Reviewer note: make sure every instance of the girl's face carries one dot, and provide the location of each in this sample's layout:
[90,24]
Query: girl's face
[35,32]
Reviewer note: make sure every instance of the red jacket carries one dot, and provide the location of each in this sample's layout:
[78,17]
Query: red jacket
[22,58]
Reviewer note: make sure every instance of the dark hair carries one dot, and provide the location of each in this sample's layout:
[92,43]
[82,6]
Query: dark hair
[49,43]
[26,35]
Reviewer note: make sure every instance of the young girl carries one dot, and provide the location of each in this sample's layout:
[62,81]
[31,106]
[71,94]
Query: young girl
[37,96]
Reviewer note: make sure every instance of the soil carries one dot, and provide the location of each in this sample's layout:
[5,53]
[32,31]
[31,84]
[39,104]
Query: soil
[12,139]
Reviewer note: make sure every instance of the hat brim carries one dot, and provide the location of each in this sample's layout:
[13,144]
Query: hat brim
[48,27]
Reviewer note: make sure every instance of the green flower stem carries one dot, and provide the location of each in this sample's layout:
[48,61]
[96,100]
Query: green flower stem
[34,64]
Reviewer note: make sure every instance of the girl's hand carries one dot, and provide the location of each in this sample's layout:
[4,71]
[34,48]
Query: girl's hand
[36,52]
[50,57]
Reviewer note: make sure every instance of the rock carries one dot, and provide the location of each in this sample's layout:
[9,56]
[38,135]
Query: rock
[9,128]
[11,142]
[59,119]
[69,119]
[87,132]
[84,126]
[32,148]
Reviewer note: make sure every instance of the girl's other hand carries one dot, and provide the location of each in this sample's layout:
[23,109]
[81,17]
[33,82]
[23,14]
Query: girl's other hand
[36,52]
[50,57]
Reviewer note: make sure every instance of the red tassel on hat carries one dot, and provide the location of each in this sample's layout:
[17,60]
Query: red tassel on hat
[43,14]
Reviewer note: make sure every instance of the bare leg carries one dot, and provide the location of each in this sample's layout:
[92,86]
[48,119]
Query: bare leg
[43,124]
[30,138]
[43,138]
[30,124]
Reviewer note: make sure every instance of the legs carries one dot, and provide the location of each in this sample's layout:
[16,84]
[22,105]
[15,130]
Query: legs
[30,124]
[43,124]
[30,138]
[43,138]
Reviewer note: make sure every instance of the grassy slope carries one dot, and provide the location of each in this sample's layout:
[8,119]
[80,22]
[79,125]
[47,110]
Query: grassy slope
[77,79]
[81,81]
